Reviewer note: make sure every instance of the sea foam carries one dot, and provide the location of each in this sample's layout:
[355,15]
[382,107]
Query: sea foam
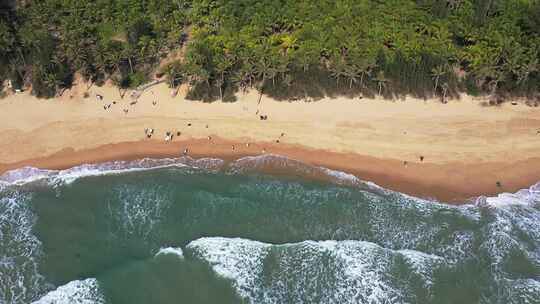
[310,271]
[29,174]
[172,251]
[20,250]
[249,164]
[75,292]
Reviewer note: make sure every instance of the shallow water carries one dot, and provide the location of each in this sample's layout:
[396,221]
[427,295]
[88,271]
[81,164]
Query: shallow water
[201,231]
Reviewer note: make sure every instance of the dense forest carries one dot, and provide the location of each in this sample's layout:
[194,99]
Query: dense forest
[288,49]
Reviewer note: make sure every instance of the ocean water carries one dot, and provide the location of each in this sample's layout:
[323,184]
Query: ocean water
[259,230]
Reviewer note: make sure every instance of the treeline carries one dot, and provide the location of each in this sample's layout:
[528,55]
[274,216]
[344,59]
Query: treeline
[44,42]
[288,49]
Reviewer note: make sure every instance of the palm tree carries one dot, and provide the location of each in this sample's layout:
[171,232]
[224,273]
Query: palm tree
[337,71]
[287,42]
[365,69]
[262,69]
[272,72]
[381,80]
[283,68]
[437,72]
[352,72]
[222,67]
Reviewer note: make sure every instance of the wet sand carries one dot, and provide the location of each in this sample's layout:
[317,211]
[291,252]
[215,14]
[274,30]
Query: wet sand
[454,183]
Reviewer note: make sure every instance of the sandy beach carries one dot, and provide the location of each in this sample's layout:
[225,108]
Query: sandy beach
[467,149]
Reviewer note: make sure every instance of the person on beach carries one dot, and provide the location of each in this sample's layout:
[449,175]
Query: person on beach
[168,136]
[148,132]
[421,158]
[185,152]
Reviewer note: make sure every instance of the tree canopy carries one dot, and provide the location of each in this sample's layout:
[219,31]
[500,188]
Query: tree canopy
[284,48]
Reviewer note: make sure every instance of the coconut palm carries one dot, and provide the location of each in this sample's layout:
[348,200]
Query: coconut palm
[365,69]
[337,71]
[438,72]
[223,65]
[287,42]
[263,69]
[352,73]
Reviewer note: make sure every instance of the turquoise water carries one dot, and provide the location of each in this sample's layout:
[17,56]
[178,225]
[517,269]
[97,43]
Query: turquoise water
[201,231]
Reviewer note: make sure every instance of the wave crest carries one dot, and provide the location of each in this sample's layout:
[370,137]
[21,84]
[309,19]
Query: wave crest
[78,291]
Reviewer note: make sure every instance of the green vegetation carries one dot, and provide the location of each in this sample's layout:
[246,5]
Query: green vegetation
[288,49]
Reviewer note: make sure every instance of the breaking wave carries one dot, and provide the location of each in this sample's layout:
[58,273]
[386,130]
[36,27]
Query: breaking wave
[20,250]
[338,272]
[349,241]
[268,163]
[171,250]
[75,292]
[29,174]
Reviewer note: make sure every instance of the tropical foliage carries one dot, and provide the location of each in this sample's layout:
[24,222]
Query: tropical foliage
[284,48]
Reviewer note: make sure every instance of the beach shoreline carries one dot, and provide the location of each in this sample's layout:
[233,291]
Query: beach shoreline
[452,183]
[449,152]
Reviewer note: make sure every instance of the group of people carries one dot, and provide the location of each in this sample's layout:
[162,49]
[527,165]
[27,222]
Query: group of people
[125,110]
[169,135]
[109,105]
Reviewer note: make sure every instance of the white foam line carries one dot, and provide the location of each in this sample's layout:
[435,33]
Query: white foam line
[29,174]
[171,250]
[80,292]
[523,197]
